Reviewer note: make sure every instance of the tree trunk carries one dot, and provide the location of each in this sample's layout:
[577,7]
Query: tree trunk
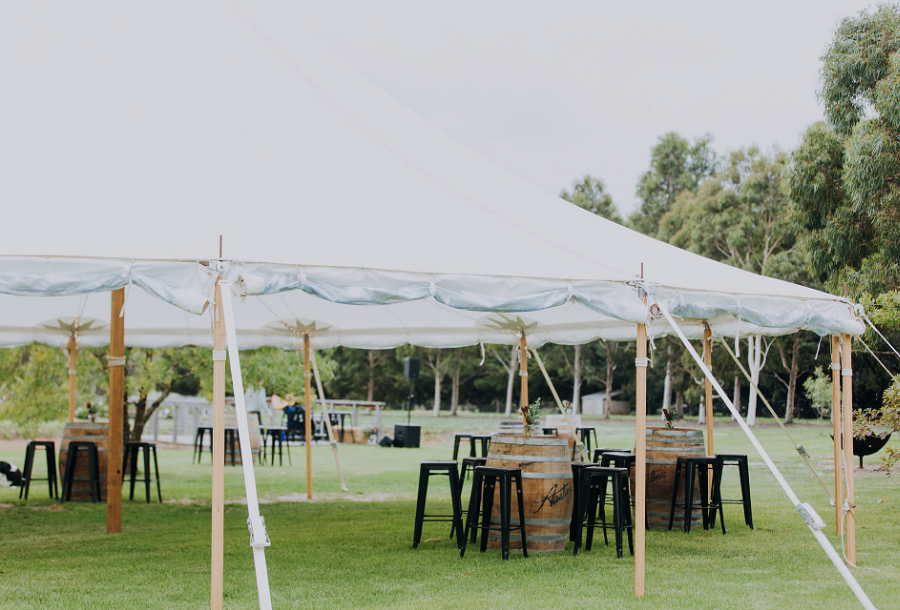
[607,404]
[792,384]
[736,398]
[438,378]
[576,382]
[679,404]
[370,393]
[754,359]
[511,382]
[667,385]
[454,393]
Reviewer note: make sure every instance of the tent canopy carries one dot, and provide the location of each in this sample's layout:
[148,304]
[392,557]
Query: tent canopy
[134,135]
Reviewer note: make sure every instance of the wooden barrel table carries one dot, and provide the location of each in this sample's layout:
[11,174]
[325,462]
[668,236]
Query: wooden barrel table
[545,463]
[664,447]
[98,433]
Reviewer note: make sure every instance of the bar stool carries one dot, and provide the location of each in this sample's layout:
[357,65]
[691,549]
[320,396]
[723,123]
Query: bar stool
[697,467]
[132,449]
[599,451]
[585,434]
[485,440]
[69,478]
[277,435]
[550,431]
[486,478]
[739,460]
[52,482]
[231,446]
[457,438]
[577,472]
[468,463]
[594,482]
[426,471]
[199,436]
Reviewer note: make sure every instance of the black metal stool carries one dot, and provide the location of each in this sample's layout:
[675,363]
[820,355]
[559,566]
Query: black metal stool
[550,431]
[468,463]
[50,450]
[486,478]
[577,471]
[593,489]
[75,447]
[277,434]
[485,440]
[599,451]
[426,471]
[583,435]
[457,438]
[739,460]
[697,467]
[199,436]
[130,456]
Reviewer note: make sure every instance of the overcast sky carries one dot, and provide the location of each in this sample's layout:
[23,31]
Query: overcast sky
[554,90]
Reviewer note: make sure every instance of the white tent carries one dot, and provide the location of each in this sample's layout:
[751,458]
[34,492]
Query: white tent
[133,136]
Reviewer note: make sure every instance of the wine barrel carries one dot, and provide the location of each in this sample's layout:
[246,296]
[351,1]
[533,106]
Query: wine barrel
[546,489]
[98,433]
[664,447]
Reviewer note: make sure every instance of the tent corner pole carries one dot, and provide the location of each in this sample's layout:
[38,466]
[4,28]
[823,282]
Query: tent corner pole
[218,456]
[73,350]
[640,468]
[116,412]
[836,433]
[307,420]
[707,344]
[523,374]
[847,411]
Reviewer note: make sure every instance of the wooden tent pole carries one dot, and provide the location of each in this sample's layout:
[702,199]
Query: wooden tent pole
[308,417]
[707,359]
[847,374]
[218,455]
[640,462]
[523,374]
[116,413]
[73,347]
[836,423]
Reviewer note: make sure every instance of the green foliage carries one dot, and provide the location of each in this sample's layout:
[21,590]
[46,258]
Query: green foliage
[819,392]
[591,195]
[675,166]
[887,416]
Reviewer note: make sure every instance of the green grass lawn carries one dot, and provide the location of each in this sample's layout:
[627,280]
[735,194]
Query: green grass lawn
[351,550]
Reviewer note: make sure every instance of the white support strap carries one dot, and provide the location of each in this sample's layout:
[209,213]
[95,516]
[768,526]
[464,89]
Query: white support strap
[835,366]
[71,371]
[642,362]
[258,537]
[219,356]
[523,373]
[846,372]
[116,361]
[820,537]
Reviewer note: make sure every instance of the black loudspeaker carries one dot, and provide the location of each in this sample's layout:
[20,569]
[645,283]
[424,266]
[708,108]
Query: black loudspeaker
[411,368]
[406,435]
[386,441]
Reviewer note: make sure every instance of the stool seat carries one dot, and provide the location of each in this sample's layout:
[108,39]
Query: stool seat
[130,456]
[49,448]
[426,471]
[550,431]
[739,460]
[698,468]
[76,447]
[599,451]
[485,480]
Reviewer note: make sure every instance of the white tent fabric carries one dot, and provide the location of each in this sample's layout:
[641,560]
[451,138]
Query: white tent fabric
[143,132]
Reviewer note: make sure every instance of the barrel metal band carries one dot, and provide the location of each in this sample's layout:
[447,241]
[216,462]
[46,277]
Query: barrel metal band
[219,355]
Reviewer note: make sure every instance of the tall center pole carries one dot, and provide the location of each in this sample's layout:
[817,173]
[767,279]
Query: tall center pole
[73,347]
[707,348]
[836,423]
[847,374]
[116,413]
[308,419]
[523,374]
[218,455]
[640,462]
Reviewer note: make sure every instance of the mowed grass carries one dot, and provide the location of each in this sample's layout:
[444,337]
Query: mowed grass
[352,550]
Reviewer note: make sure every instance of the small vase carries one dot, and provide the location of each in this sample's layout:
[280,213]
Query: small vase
[530,430]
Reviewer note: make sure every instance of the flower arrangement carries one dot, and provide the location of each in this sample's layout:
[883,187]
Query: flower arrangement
[371,432]
[531,414]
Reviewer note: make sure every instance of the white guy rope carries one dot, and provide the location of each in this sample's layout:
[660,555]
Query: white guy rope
[325,416]
[259,539]
[562,409]
[813,521]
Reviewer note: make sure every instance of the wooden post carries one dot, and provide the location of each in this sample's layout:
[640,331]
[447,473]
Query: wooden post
[836,424]
[707,350]
[847,374]
[116,413]
[308,418]
[73,347]
[218,456]
[523,375]
[640,463]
